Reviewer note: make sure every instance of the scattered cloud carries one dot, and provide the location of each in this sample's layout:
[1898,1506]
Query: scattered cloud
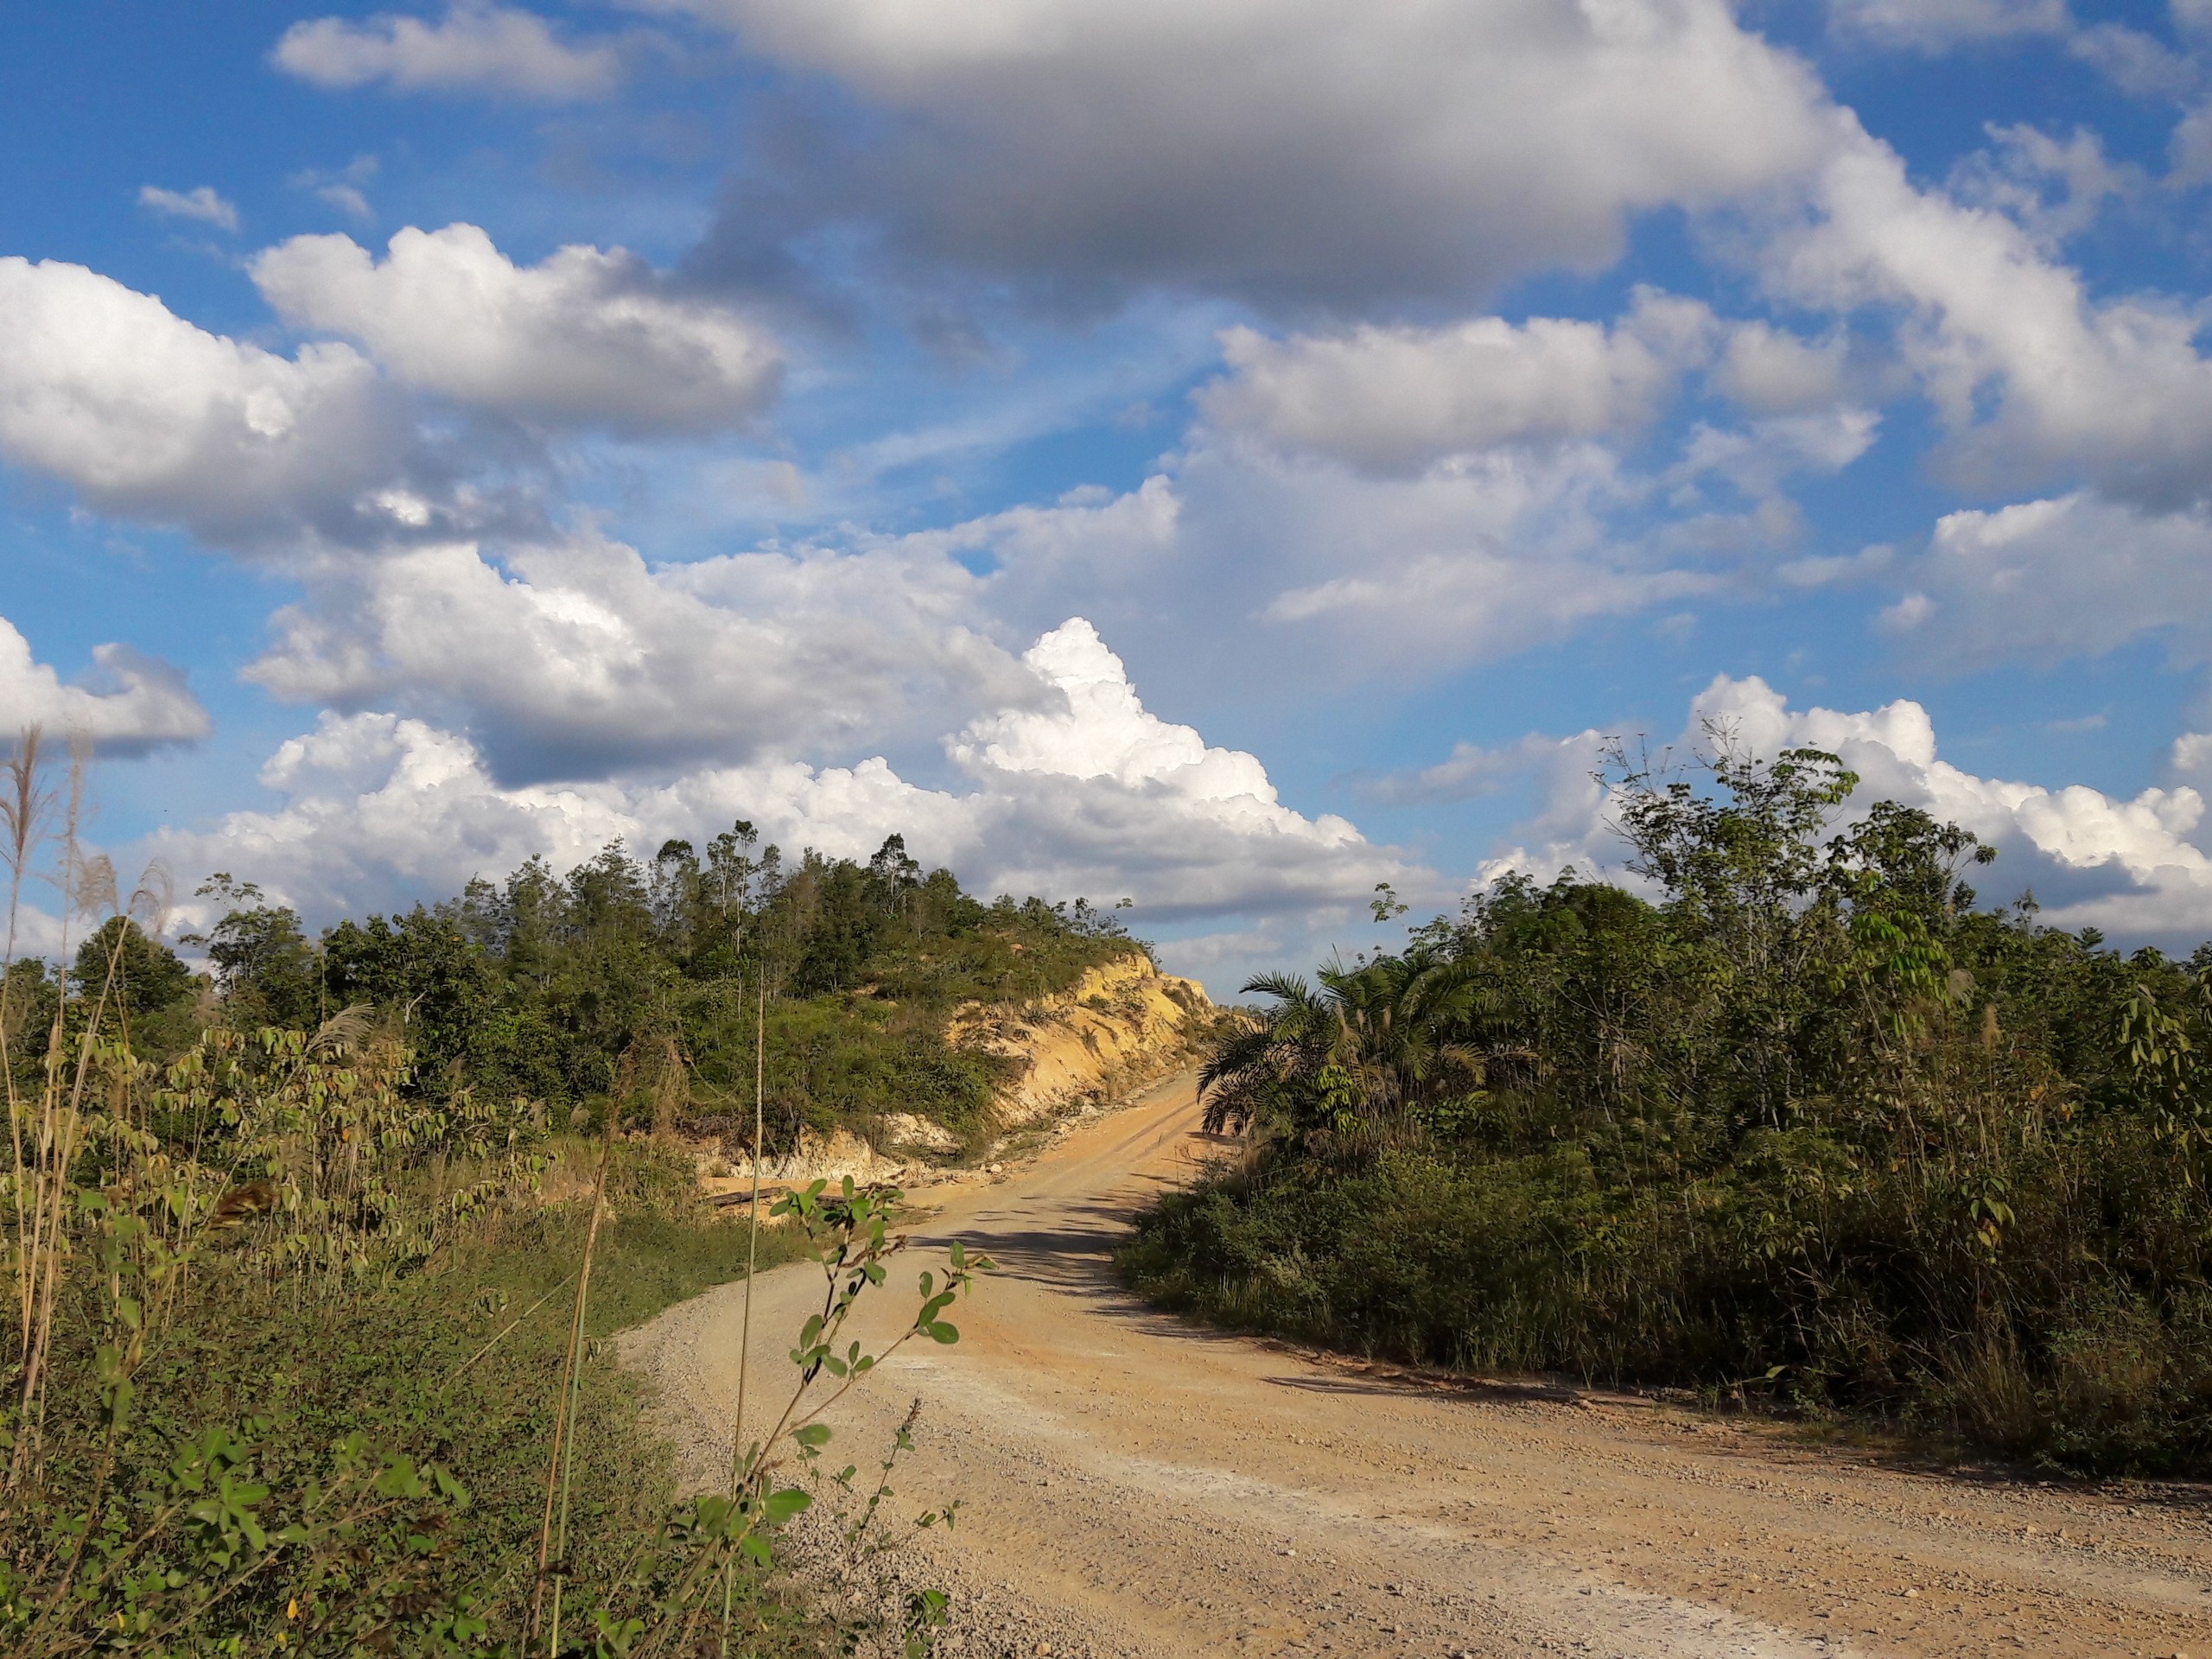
[475,48]
[347,199]
[587,335]
[202,204]
[1938,25]
[1838,569]
[1395,399]
[344,189]
[2138,64]
[1473,770]
[1381,481]
[131,703]
[2075,575]
[2053,188]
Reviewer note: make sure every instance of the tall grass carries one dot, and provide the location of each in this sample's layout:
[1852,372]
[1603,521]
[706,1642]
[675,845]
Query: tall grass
[281,1369]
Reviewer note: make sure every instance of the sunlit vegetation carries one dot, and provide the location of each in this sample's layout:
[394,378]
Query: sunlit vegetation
[307,1254]
[641,983]
[1798,1124]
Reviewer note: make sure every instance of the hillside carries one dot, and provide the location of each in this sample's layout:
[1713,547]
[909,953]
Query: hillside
[896,1008]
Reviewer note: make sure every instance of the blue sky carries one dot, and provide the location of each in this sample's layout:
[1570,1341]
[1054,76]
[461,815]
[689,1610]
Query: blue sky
[1224,455]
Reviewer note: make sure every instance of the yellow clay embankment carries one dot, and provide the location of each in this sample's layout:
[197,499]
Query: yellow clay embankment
[1123,1025]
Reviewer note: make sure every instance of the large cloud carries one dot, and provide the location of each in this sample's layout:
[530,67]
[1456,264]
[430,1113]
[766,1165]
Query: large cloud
[587,336]
[1239,565]
[1076,789]
[475,48]
[150,417]
[1303,149]
[1250,561]
[131,703]
[1483,554]
[606,665]
[2130,867]
[2033,377]
[1246,564]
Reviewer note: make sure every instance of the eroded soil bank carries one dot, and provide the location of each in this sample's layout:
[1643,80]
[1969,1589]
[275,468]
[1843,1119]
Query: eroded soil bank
[1136,1485]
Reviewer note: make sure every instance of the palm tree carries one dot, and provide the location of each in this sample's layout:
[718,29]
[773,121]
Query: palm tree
[1369,1045]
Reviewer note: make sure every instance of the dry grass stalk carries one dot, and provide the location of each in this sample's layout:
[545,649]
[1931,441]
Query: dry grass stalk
[563,1416]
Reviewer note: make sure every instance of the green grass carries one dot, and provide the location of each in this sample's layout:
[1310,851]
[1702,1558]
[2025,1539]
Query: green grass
[420,1366]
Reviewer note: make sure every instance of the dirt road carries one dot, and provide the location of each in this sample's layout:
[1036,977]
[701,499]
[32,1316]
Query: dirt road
[1136,1485]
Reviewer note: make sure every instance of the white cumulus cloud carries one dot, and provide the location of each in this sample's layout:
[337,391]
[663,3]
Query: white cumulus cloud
[131,703]
[474,48]
[150,417]
[2132,867]
[604,664]
[587,335]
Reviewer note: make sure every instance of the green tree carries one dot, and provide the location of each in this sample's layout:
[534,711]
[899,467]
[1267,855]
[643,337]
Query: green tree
[264,966]
[143,976]
[1366,1047]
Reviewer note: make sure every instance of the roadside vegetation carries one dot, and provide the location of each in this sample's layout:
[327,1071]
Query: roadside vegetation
[1799,1124]
[308,1260]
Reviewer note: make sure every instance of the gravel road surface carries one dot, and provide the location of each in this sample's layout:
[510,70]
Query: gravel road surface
[1132,1484]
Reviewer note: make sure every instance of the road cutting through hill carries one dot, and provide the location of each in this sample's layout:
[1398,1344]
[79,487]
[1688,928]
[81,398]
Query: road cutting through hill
[1133,1485]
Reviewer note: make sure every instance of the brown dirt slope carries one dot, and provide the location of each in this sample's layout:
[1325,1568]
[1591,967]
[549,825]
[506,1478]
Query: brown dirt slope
[1120,1025]
[1136,1485]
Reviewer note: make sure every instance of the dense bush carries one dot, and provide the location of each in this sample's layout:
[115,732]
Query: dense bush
[1805,1123]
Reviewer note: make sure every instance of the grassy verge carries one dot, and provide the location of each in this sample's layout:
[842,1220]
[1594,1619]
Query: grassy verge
[456,1366]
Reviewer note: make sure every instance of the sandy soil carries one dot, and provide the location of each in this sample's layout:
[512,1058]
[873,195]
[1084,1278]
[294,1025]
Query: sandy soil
[1133,1485]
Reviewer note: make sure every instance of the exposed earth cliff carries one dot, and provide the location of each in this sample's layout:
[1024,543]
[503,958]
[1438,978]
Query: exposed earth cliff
[1122,1025]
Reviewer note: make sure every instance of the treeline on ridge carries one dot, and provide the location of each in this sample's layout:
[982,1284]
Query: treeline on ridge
[635,982]
[1808,1126]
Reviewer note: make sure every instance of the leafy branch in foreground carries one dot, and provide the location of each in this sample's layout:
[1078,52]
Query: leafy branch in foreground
[848,1235]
